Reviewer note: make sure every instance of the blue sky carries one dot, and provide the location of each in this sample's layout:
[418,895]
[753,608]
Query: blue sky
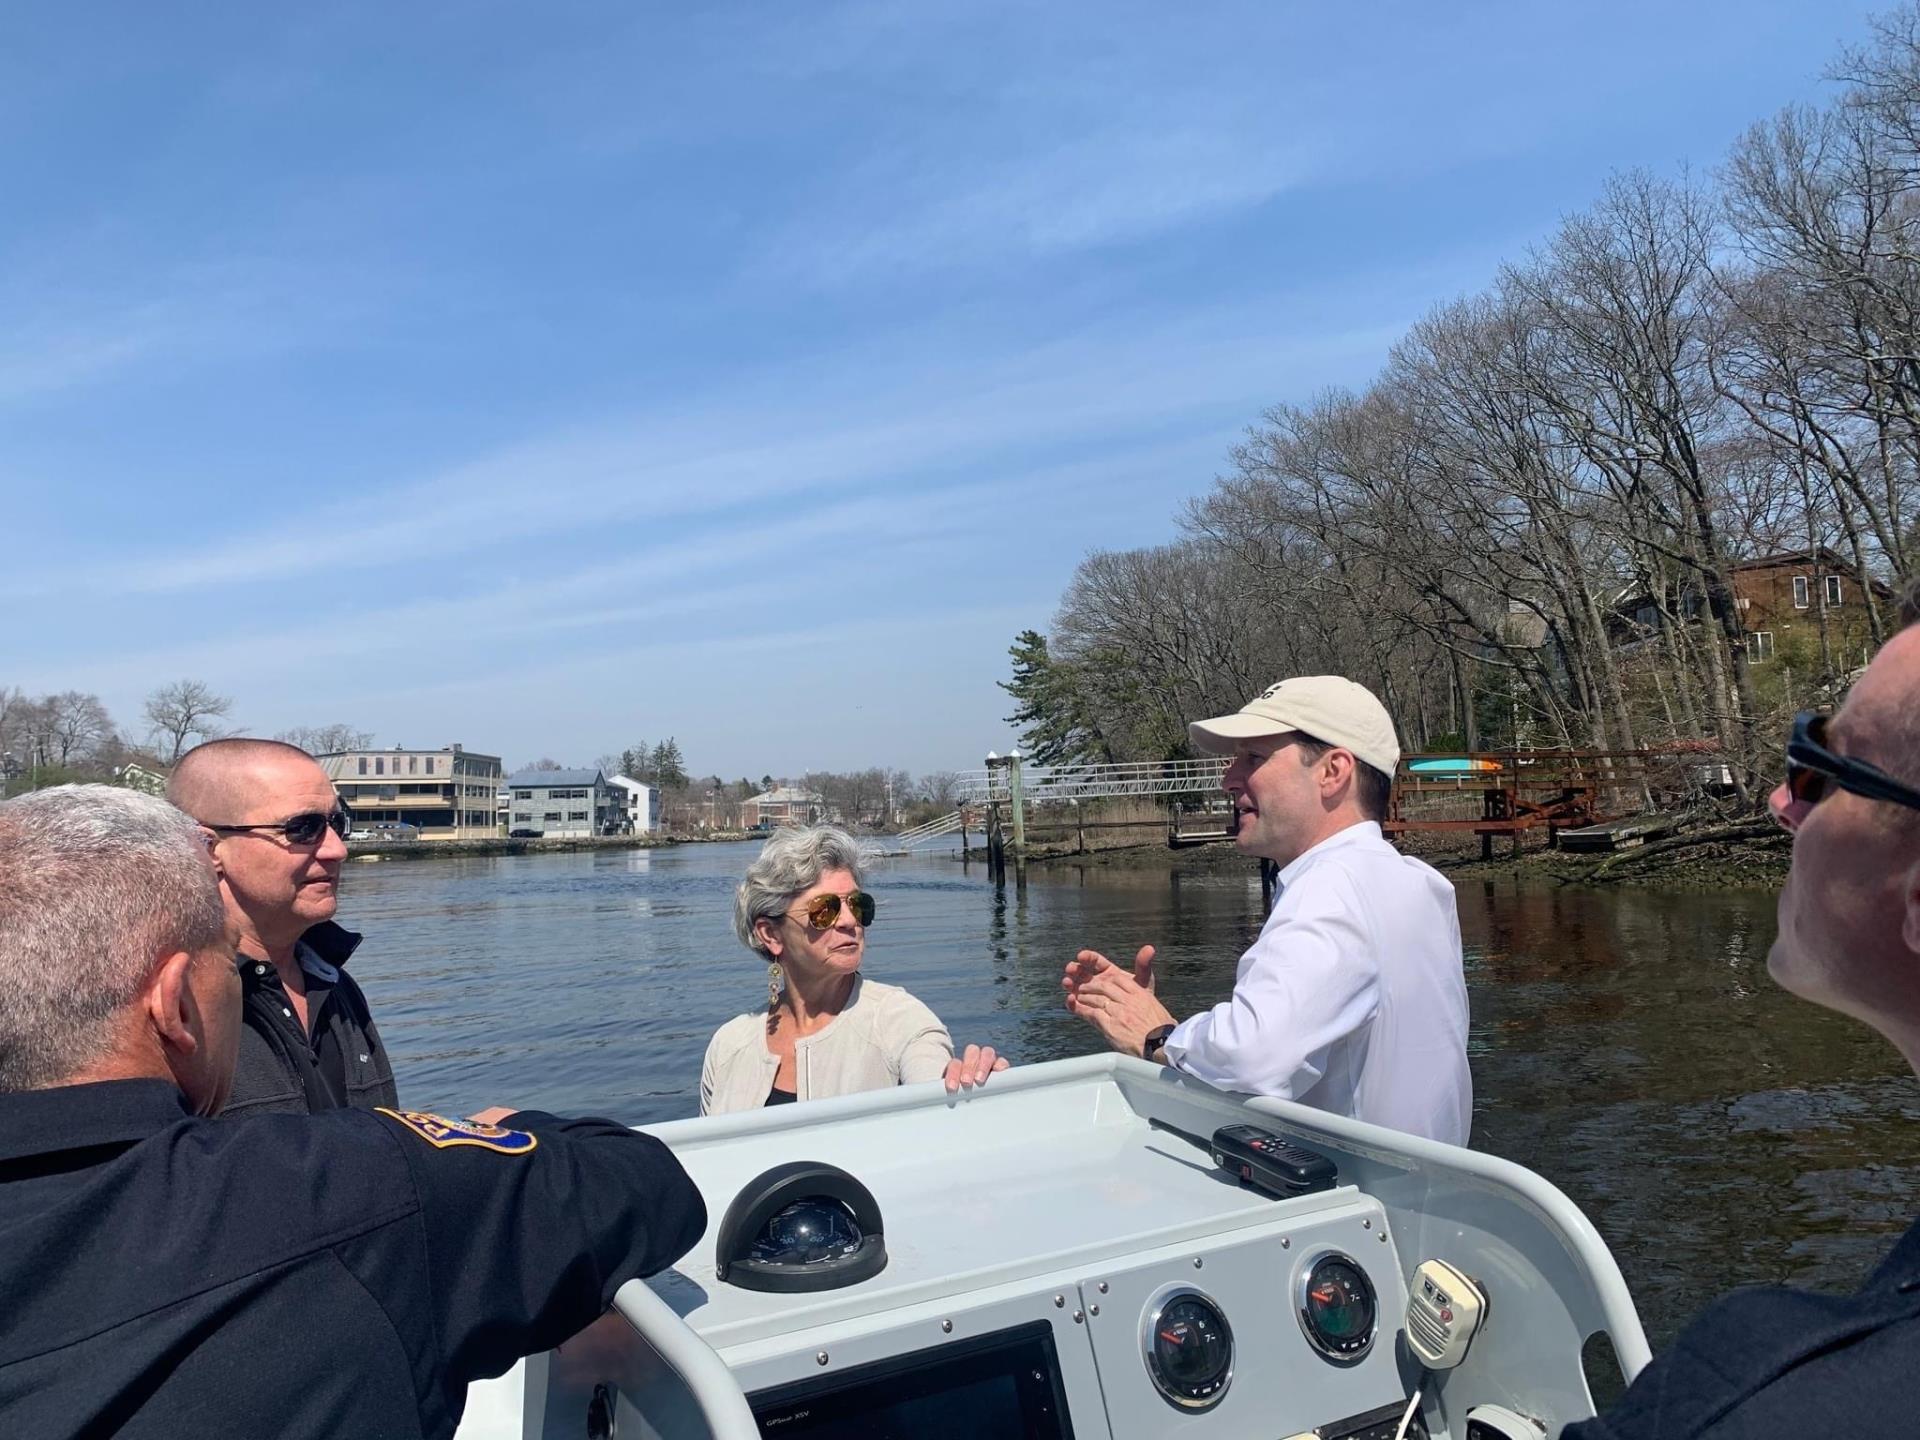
[550,377]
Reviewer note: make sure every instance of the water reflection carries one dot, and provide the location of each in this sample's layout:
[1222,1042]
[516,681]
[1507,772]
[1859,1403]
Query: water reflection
[1628,1046]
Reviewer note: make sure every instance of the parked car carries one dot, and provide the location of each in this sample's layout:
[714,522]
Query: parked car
[386,830]
[523,834]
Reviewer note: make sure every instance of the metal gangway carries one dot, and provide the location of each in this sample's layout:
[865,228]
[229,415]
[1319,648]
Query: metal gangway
[1045,784]
[908,841]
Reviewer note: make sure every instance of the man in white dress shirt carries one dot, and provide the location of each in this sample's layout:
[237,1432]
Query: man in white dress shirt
[1353,998]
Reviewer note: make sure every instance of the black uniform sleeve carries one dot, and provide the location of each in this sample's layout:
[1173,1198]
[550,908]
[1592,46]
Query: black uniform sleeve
[1770,1361]
[525,1249]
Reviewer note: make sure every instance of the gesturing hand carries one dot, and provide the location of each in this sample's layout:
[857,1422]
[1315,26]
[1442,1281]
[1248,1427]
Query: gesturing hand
[1122,1007]
[1089,963]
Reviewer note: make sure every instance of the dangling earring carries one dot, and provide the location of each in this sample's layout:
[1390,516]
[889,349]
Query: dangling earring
[773,986]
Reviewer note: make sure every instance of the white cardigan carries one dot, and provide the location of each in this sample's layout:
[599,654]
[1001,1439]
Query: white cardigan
[883,1037]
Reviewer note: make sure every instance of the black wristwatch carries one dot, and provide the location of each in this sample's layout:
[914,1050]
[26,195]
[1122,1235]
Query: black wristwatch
[1156,1038]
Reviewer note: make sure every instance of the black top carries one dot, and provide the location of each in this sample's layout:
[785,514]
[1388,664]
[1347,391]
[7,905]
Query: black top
[335,1062]
[1769,1362]
[777,1096]
[339,1274]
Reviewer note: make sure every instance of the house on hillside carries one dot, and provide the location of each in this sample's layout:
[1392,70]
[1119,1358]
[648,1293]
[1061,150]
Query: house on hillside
[1782,600]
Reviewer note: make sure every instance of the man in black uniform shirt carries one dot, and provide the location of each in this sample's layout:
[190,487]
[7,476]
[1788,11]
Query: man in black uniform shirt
[339,1274]
[278,835]
[1777,1362]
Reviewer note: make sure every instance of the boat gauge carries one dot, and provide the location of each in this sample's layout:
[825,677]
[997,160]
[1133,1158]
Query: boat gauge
[1188,1347]
[1337,1307]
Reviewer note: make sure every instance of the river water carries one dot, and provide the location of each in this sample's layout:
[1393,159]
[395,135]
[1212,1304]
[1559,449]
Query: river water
[1628,1045]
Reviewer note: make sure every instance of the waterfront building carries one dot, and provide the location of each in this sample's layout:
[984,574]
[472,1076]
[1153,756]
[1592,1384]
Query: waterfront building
[445,794]
[643,805]
[782,805]
[552,804]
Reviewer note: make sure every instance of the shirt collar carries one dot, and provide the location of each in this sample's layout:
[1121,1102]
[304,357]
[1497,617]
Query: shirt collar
[1359,833]
[311,962]
[77,1117]
[322,951]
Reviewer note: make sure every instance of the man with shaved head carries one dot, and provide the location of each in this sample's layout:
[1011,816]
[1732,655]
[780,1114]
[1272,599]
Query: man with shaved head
[1772,1361]
[277,833]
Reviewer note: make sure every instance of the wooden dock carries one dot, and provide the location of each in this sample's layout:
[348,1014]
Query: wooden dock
[1510,793]
[1628,834]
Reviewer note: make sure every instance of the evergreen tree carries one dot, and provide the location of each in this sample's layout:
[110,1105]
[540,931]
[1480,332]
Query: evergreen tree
[1051,710]
[669,770]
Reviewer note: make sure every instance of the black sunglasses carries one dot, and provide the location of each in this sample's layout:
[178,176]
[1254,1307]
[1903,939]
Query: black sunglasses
[1812,767]
[821,911]
[303,829]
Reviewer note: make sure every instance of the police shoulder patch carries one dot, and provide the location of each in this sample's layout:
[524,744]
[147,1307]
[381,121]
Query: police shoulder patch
[443,1133]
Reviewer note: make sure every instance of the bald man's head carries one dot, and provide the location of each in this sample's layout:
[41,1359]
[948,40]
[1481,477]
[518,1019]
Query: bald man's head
[246,791]
[218,782]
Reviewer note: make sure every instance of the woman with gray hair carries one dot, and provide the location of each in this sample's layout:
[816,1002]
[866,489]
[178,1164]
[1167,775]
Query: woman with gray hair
[826,1029]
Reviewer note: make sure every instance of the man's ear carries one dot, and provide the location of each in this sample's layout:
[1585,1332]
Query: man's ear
[1340,769]
[213,851]
[170,1003]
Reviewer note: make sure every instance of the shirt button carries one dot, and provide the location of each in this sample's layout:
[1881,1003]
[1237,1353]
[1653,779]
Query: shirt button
[259,969]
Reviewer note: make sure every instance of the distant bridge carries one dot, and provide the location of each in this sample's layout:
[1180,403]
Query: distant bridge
[1042,784]
[979,791]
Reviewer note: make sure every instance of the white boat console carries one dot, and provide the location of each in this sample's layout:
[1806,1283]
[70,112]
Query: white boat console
[1058,1265]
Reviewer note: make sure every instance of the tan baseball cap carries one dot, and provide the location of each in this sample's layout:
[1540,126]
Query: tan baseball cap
[1330,708]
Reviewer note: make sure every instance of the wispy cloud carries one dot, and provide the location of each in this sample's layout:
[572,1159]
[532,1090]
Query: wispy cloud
[78,322]
[691,580]
[1108,186]
[764,446]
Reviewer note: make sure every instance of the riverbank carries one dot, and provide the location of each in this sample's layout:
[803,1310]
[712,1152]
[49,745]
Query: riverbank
[1753,858]
[499,845]
[1722,858]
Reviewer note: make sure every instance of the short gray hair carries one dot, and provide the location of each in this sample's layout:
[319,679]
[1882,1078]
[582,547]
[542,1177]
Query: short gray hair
[790,862]
[95,882]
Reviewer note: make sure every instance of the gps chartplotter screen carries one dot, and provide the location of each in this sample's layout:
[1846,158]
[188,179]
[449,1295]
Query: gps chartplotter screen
[1003,1384]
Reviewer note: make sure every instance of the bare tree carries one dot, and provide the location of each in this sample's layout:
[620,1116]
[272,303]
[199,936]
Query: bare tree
[71,726]
[183,711]
[326,739]
[13,711]
[937,787]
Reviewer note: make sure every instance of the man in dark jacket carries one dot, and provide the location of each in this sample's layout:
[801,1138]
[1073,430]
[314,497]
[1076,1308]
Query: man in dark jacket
[279,837]
[1771,1362]
[348,1273]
